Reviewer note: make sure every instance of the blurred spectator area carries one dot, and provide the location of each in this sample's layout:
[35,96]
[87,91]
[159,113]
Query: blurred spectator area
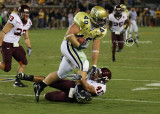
[59,13]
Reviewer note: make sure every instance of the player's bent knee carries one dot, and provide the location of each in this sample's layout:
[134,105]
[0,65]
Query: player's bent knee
[7,68]
[56,96]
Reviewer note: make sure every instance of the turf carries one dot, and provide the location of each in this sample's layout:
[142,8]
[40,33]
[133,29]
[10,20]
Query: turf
[127,92]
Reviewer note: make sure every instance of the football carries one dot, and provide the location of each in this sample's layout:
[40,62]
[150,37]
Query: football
[81,40]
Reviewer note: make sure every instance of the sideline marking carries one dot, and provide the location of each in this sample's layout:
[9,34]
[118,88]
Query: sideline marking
[126,100]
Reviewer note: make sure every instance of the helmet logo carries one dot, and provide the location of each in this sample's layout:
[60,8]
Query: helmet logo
[26,10]
[95,12]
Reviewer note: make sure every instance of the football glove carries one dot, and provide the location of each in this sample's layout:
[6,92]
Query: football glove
[83,45]
[29,51]
[91,72]
[82,95]
[0,48]
[75,76]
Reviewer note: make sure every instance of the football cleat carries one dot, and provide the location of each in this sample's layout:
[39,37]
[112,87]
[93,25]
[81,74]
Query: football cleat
[129,40]
[37,90]
[119,50]
[137,37]
[113,59]
[20,75]
[18,83]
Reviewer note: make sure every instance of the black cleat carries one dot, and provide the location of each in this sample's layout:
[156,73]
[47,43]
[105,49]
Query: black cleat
[119,50]
[113,59]
[137,37]
[20,75]
[18,83]
[37,90]
[130,40]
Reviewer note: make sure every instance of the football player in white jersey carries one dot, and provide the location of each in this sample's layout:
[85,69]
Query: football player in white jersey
[90,27]
[17,25]
[117,20]
[95,85]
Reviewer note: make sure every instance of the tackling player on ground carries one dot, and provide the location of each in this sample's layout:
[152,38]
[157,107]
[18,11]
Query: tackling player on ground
[95,86]
[17,25]
[91,27]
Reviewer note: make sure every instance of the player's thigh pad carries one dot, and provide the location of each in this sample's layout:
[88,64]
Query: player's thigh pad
[20,55]
[65,68]
[76,57]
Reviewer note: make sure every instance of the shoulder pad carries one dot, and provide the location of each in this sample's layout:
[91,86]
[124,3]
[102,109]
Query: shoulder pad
[79,18]
[14,18]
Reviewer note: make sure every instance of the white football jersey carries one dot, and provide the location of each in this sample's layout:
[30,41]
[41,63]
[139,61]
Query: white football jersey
[18,29]
[117,24]
[99,88]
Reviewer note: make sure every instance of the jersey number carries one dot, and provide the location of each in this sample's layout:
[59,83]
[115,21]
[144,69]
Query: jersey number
[99,91]
[86,21]
[11,18]
[118,24]
[19,31]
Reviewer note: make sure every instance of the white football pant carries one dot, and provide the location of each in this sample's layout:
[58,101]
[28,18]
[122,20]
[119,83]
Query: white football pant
[135,27]
[72,58]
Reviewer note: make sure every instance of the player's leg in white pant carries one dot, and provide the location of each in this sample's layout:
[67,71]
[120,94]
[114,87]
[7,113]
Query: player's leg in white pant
[131,31]
[126,33]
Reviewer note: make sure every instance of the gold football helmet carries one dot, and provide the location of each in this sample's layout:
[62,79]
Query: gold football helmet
[98,15]
[124,7]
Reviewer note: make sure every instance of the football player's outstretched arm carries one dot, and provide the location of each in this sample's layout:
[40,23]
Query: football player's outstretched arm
[71,34]
[95,51]
[27,42]
[4,31]
[26,39]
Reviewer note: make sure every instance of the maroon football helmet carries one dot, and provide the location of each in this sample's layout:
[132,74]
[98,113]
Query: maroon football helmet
[102,75]
[24,13]
[118,10]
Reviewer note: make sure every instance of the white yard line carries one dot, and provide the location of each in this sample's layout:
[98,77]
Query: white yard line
[143,88]
[137,80]
[127,100]
[149,67]
[11,94]
[112,79]
[124,100]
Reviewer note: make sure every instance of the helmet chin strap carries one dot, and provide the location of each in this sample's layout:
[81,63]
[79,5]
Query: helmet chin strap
[24,20]
[25,17]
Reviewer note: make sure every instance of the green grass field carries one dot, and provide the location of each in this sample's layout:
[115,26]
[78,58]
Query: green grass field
[134,88]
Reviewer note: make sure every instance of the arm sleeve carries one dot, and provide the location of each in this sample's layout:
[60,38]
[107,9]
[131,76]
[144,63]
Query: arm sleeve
[78,19]
[100,89]
[12,19]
